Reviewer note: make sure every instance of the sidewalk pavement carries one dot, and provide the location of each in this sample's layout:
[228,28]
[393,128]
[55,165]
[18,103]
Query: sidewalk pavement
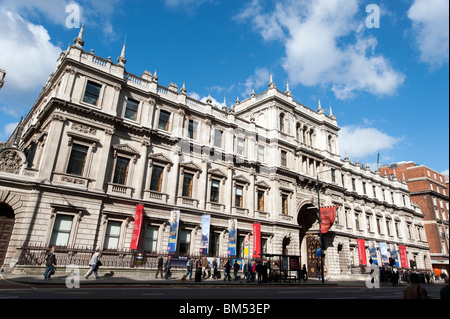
[61,279]
[9,279]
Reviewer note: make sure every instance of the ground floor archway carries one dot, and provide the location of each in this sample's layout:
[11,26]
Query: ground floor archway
[6,229]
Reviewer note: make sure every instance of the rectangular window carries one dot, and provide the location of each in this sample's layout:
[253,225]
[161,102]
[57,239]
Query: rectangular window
[215,191]
[240,146]
[121,170]
[333,175]
[364,188]
[156,181]
[61,230]
[261,201]
[163,123]
[192,129]
[284,204]
[218,138]
[187,184]
[185,240]
[77,159]
[283,158]
[239,196]
[357,221]
[112,235]
[150,240]
[131,109]
[92,93]
[261,153]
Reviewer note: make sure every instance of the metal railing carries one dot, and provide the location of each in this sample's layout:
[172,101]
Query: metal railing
[34,255]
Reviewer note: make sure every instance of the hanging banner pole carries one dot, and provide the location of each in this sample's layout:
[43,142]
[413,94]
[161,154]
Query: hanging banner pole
[232,232]
[173,233]
[327,215]
[256,240]
[204,241]
[138,219]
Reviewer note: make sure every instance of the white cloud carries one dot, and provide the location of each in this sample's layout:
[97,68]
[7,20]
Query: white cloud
[257,80]
[431,26]
[27,55]
[359,142]
[312,33]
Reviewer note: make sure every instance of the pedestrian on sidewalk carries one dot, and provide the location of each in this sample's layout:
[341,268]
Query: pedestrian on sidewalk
[236,269]
[214,266]
[204,267]
[414,290]
[227,269]
[167,267]
[259,270]
[160,267]
[95,264]
[189,267]
[50,263]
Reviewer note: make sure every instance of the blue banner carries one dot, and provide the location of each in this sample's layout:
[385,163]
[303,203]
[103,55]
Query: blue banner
[373,252]
[384,253]
[173,233]
[204,241]
[232,232]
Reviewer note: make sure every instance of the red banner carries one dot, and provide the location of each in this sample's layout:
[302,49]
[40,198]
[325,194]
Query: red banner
[327,215]
[138,219]
[362,252]
[403,256]
[257,240]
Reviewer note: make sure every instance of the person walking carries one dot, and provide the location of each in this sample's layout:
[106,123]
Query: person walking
[95,263]
[227,270]
[236,269]
[204,267]
[167,267]
[259,271]
[214,265]
[50,263]
[189,267]
[160,267]
[414,290]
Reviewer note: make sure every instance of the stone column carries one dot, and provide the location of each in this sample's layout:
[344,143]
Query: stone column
[51,148]
[141,171]
[104,159]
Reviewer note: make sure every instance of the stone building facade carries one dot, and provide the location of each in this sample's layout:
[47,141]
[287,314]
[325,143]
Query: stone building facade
[99,141]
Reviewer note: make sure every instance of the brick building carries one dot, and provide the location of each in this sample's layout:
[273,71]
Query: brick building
[429,189]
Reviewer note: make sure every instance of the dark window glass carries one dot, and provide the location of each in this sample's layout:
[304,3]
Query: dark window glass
[92,93]
[77,159]
[121,170]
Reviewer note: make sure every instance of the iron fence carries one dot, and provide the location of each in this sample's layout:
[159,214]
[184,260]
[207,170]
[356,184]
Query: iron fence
[34,255]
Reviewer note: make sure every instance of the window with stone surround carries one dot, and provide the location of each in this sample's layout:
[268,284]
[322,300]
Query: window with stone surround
[121,170]
[92,93]
[131,109]
[61,230]
[77,159]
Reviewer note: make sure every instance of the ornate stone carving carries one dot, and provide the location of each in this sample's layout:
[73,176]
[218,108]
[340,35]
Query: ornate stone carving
[11,161]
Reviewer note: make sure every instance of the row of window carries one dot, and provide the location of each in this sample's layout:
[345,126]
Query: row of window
[62,228]
[391,231]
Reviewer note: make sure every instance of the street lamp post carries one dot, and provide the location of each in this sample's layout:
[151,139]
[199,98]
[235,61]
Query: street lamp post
[320,225]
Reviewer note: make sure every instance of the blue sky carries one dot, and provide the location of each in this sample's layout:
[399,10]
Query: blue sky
[387,86]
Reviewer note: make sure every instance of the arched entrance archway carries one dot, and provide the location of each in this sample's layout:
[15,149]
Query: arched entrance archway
[6,228]
[309,239]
